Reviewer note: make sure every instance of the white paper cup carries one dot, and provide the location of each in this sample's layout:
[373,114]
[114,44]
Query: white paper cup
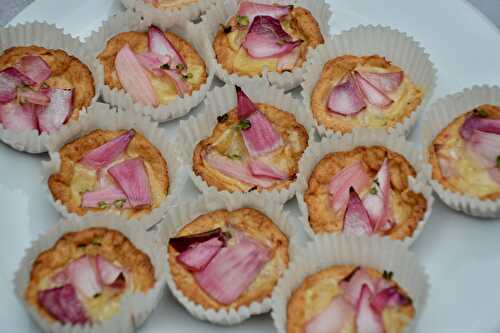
[182,14]
[101,116]
[439,116]
[179,216]
[367,138]
[221,100]
[375,252]
[397,47]
[134,307]
[50,37]
[221,12]
[130,21]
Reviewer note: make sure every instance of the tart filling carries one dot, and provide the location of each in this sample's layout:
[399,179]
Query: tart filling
[355,92]
[364,191]
[228,259]
[266,36]
[255,147]
[110,170]
[349,299]
[465,156]
[170,4]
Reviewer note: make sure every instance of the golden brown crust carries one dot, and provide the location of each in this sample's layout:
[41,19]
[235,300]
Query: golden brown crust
[68,72]
[318,290]
[114,247]
[449,139]
[406,99]
[60,183]
[301,24]
[172,4]
[252,223]
[289,129]
[407,206]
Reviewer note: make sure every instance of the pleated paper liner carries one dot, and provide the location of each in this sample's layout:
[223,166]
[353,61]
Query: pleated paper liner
[134,307]
[130,21]
[439,116]
[181,14]
[221,100]
[366,138]
[50,37]
[101,116]
[179,216]
[397,47]
[222,11]
[375,252]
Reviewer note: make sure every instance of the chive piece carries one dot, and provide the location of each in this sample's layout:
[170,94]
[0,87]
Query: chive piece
[119,203]
[102,205]
[498,161]
[180,67]
[95,242]
[480,113]
[189,75]
[223,118]
[45,85]
[244,125]
[387,275]
[235,157]
[242,20]
[80,246]
[165,66]
[97,295]
[373,190]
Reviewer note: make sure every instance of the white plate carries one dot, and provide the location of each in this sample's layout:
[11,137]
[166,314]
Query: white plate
[461,254]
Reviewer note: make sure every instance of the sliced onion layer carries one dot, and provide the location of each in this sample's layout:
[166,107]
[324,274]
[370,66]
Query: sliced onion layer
[252,9]
[385,82]
[105,154]
[183,243]
[346,99]
[198,256]
[108,273]
[8,85]
[388,297]
[353,175]
[33,97]
[333,318]
[83,277]
[18,117]
[367,319]
[63,304]
[261,138]
[52,116]
[473,123]
[373,96]
[245,105]
[106,197]
[376,200]
[486,146]
[356,219]
[153,62]
[133,179]
[159,44]
[259,168]
[34,68]
[354,283]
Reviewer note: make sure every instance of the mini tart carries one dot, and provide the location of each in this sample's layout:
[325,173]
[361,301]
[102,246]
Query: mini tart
[73,179]
[110,244]
[164,87]
[406,98]
[470,176]
[300,24]
[251,222]
[68,72]
[319,289]
[171,4]
[286,157]
[407,206]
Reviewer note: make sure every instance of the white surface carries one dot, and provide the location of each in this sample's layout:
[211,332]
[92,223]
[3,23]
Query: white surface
[461,254]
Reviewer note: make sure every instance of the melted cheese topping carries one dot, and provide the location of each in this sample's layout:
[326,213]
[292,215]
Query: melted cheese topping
[164,87]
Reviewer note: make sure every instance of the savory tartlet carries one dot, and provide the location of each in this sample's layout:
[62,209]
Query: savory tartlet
[348,299]
[370,91]
[227,259]
[364,191]
[465,155]
[261,36]
[83,276]
[253,147]
[105,170]
[170,4]
[154,67]
[42,89]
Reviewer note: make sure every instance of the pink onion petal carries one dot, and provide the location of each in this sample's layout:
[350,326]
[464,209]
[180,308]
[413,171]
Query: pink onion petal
[388,297]
[8,84]
[133,77]
[376,200]
[109,196]
[133,179]
[180,84]
[385,82]
[252,9]
[60,278]
[287,62]
[245,105]
[83,277]
[372,94]
[236,169]
[33,97]
[197,257]
[473,122]
[18,117]
[383,284]
[356,219]
[486,146]
[259,168]
[346,98]
[153,62]
[55,114]
[267,39]
[108,273]
[183,243]
[333,318]
[232,270]
[353,175]
[159,44]
[353,284]
[35,68]
[63,304]
[261,138]
[367,319]
[105,154]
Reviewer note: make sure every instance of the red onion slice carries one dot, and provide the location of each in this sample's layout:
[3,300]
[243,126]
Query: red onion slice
[183,243]
[52,116]
[159,44]
[367,320]
[245,105]
[473,123]
[232,270]
[133,179]
[389,297]
[353,284]
[259,168]
[83,277]
[153,62]
[108,273]
[63,304]
[356,219]
[106,197]
[33,97]
[8,85]
[18,117]
[261,138]
[346,99]
[333,318]
[34,68]
[105,154]
[372,94]
[353,175]
[486,146]
[252,9]
[385,82]
[197,257]
[133,77]
[376,200]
